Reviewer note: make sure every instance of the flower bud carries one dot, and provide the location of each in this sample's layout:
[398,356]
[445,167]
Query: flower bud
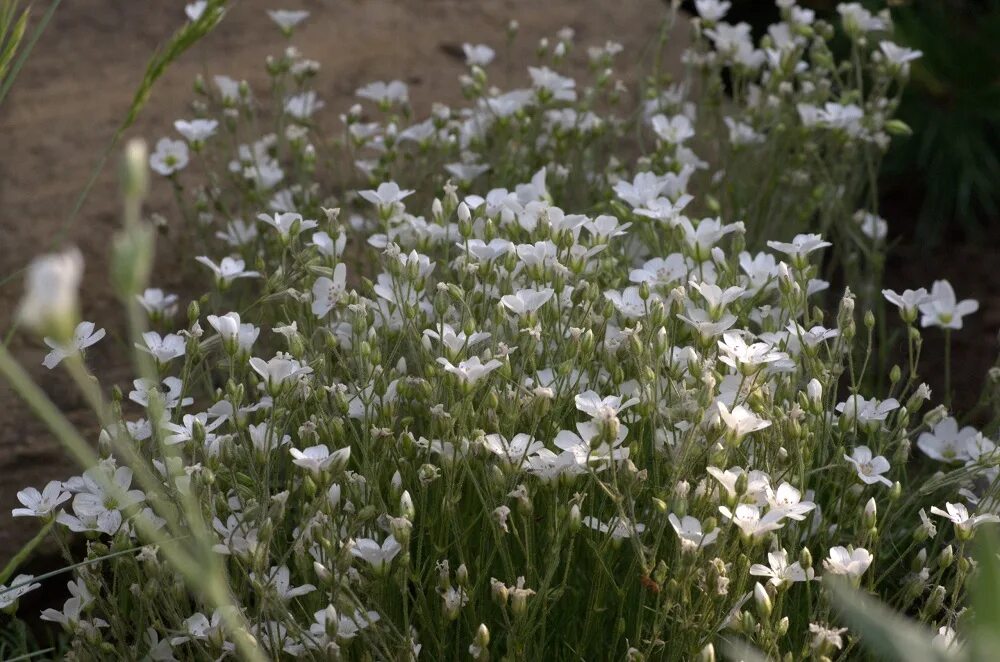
[763,601]
[871,514]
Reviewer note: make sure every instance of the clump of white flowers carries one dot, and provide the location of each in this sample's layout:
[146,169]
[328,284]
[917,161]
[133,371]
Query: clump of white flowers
[500,389]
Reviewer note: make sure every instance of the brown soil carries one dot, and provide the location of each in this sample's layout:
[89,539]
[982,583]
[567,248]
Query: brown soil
[79,82]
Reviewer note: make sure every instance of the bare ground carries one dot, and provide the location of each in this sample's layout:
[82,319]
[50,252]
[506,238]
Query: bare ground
[79,82]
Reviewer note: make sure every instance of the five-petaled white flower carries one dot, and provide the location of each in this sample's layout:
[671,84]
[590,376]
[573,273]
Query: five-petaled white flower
[946,442]
[851,563]
[196,131]
[163,348]
[18,587]
[942,309]
[526,301]
[780,572]
[229,269]
[908,302]
[869,468]
[478,55]
[751,521]
[287,19]
[157,302]
[279,580]
[386,195]
[317,459]
[960,517]
[690,532]
[285,222]
[471,370]
[377,556]
[170,156]
[279,370]
[83,337]
[328,292]
[380,92]
[617,528]
[41,504]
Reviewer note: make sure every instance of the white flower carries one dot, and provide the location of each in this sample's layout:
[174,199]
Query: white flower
[899,56]
[526,301]
[750,520]
[328,246]
[581,450]
[959,516]
[850,563]
[228,269]
[616,528]
[237,233]
[628,302]
[787,500]
[51,291]
[157,302]
[705,325]
[386,195]
[602,409]
[872,225]
[170,156]
[302,106]
[740,421]
[943,310]
[18,587]
[348,626]
[689,530]
[287,19]
[317,459]
[557,87]
[908,302]
[661,272]
[385,93]
[285,222]
[780,572]
[946,442]
[712,10]
[280,369]
[454,341]
[870,469]
[163,349]
[196,131]
[515,451]
[801,245]
[194,10]
[824,637]
[866,412]
[83,337]
[169,393]
[471,370]
[858,20]
[377,556]
[279,580]
[675,130]
[478,55]
[327,292]
[41,504]
[748,359]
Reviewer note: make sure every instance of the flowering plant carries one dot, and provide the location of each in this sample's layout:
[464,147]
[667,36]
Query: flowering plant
[552,412]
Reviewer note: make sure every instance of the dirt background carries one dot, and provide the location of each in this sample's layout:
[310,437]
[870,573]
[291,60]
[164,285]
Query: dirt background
[79,81]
